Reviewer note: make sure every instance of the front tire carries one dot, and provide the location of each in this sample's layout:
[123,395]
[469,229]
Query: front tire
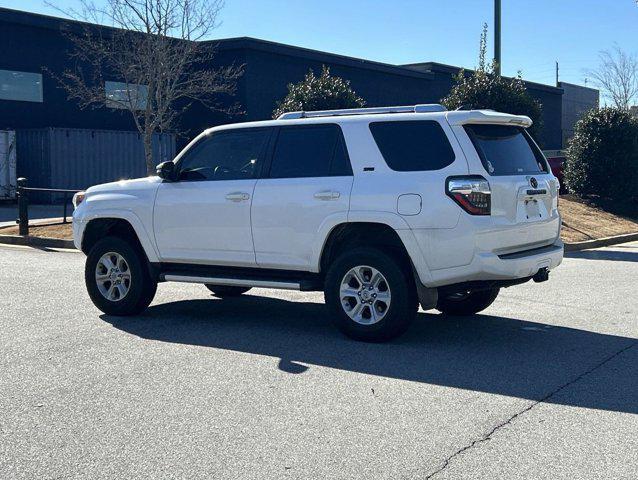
[467,303]
[371,295]
[117,277]
[223,291]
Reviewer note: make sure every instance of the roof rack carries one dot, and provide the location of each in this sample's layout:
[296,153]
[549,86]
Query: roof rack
[423,108]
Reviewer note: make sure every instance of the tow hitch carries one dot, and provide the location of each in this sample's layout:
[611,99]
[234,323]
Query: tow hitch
[542,275]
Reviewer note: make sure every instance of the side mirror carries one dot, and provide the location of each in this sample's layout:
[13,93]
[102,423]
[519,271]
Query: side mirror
[167,171]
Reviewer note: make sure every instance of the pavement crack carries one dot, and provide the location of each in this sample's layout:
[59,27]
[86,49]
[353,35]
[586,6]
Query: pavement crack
[532,405]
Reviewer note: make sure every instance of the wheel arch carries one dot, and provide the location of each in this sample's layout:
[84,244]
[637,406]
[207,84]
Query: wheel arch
[349,235]
[126,228]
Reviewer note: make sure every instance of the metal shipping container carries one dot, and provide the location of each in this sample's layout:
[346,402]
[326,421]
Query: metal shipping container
[77,159]
[7,165]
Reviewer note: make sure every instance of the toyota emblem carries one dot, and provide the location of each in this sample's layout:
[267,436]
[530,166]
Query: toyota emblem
[533,182]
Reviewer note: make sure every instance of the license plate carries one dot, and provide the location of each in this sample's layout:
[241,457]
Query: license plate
[532,210]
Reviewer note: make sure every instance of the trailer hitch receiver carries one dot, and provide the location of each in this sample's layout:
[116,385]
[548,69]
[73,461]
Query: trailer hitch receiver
[542,275]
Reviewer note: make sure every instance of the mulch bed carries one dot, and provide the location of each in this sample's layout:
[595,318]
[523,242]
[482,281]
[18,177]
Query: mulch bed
[55,230]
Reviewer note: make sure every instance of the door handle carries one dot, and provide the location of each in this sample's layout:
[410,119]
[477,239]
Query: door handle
[327,195]
[237,196]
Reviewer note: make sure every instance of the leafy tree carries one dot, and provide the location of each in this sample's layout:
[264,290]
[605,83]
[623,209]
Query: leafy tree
[325,92]
[602,157]
[484,88]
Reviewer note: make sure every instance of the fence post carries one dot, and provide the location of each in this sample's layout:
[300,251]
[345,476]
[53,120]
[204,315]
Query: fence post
[23,207]
[65,198]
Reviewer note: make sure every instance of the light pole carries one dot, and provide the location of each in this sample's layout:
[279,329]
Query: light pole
[497,36]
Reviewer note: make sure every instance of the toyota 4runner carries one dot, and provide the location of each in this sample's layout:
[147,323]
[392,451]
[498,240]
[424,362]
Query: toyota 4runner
[382,209]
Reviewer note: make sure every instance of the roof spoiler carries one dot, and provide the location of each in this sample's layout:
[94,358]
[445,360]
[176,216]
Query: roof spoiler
[487,116]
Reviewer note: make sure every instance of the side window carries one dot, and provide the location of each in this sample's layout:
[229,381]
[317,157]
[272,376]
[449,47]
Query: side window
[225,155]
[340,166]
[309,151]
[414,145]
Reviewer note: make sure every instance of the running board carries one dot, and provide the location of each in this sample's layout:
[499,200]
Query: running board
[234,282]
[240,276]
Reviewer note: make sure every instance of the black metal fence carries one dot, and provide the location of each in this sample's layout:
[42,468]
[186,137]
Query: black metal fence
[23,203]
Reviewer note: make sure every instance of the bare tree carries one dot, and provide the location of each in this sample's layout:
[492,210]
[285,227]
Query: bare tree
[617,77]
[150,63]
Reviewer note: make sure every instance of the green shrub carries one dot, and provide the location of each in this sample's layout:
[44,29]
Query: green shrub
[602,157]
[325,92]
[483,88]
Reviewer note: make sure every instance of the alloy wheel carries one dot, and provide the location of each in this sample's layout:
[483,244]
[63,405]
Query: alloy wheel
[365,295]
[113,276]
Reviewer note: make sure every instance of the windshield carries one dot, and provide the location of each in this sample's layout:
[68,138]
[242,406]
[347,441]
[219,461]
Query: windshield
[506,150]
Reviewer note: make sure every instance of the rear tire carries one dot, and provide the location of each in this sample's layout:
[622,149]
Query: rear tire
[223,291]
[117,277]
[370,295]
[467,303]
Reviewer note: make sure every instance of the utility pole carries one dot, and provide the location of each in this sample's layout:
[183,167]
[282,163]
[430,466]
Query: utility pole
[556,73]
[497,36]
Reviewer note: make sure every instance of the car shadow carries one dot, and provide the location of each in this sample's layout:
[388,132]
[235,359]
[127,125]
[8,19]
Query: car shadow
[628,254]
[485,353]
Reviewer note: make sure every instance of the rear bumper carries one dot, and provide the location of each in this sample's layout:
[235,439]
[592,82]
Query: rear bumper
[491,266]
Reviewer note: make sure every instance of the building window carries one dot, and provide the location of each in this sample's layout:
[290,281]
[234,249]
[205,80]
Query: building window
[123,95]
[20,86]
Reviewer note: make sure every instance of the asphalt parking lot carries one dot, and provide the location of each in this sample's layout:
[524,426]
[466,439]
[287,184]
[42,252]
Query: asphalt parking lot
[544,384]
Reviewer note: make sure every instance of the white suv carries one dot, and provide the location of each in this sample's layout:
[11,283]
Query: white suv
[380,208]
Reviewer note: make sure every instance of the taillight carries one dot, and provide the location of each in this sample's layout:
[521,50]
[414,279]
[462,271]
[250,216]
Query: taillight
[472,193]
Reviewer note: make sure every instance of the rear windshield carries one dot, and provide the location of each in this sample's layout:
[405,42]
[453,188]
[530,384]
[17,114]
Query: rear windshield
[506,150]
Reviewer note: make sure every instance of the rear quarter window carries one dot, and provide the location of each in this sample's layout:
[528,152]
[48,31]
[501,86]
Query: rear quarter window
[506,150]
[413,145]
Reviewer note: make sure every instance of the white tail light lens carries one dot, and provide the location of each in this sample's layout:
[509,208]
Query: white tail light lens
[472,193]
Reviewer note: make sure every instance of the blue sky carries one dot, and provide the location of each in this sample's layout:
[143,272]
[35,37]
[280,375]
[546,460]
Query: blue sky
[536,33]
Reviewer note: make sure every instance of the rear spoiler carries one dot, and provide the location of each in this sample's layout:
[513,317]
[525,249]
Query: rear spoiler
[487,116]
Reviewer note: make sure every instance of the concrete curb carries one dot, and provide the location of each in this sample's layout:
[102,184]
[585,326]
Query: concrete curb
[601,242]
[36,241]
